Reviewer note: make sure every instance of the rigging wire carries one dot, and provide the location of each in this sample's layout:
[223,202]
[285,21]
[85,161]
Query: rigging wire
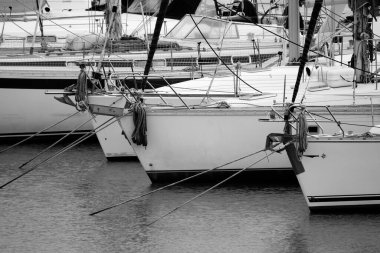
[220,59]
[216,67]
[174,183]
[333,12]
[340,122]
[4,15]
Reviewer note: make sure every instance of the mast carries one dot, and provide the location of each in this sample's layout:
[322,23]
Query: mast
[294,30]
[110,16]
[309,36]
[40,11]
[361,32]
[156,34]
[38,21]
[113,19]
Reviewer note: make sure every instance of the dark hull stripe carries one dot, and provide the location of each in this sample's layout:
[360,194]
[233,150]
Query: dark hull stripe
[35,64]
[354,139]
[346,209]
[283,175]
[34,84]
[170,62]
[316,199]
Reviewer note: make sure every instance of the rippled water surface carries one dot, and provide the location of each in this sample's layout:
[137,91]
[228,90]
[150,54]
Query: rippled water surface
[48,210]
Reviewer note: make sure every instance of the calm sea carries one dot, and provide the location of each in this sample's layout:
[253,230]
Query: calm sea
[48,210]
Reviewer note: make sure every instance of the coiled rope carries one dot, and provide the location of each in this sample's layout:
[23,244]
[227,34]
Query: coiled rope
[81,92]
[302,132]
[139,136]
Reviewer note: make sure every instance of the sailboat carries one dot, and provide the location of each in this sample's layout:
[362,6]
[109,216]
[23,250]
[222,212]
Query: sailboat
[183,141]
[25,110]
[337,172]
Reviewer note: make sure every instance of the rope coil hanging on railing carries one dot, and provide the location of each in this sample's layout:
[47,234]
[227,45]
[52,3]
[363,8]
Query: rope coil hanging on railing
[302,131]
[139,136]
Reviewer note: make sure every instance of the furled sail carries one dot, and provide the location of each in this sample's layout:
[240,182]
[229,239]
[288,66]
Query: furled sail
[179,8]
[362,10]
[113,20]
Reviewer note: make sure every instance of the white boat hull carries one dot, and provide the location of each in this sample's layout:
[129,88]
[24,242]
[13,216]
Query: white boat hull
[343,172]
[272,82]
[197,140]
[114,144]
[24,112]
[191,142]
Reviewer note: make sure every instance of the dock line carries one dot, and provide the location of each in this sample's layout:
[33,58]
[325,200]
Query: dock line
[55,143]
[214,186]
[73,144]
[30,137]
[174,183]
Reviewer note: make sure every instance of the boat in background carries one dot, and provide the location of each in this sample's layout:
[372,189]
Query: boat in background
[54,72]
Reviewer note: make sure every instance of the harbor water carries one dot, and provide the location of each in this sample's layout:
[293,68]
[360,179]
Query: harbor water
[47,210]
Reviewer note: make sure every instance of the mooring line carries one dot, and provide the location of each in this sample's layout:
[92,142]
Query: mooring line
[83,138]
[216,185]
[174,183]
[46,149]
[30,137]
[55,143]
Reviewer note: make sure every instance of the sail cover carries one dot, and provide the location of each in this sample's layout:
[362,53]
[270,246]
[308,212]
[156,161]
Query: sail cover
[114,20]
[176,8]
[179,8]
[20,6]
